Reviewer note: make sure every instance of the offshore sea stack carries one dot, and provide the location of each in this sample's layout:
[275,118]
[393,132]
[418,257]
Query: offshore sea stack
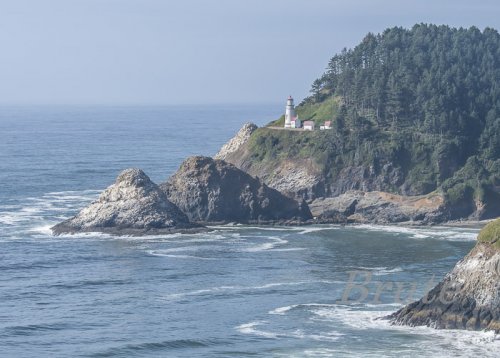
[209,190]
[133,205]
[468,297]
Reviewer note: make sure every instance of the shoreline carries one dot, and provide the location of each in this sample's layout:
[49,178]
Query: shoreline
[211,226]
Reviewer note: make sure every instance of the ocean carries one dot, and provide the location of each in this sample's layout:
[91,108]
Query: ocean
[238,291]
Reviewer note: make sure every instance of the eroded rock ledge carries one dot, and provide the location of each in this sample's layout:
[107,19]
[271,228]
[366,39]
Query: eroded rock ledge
[357,206]
[468,297]
[133,205]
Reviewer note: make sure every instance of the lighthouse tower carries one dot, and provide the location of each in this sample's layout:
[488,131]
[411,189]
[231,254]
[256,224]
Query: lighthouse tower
[289,112]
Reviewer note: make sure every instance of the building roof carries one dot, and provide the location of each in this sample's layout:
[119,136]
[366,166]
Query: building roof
[308,123]
[328,123]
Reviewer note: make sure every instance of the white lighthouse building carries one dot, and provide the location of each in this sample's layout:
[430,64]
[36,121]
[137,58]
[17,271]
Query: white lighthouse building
[289,113]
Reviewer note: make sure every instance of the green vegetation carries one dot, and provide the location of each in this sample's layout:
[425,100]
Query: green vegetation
[273,145]
[319,112]
[491,233]
[420,105]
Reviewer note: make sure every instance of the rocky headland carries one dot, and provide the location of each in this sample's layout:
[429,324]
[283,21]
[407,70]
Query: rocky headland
[468,297]
[355,197]
[210,191]
[203,191]
[133,205]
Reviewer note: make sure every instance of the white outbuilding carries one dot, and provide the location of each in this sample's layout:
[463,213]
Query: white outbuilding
[308,125]
[296,123]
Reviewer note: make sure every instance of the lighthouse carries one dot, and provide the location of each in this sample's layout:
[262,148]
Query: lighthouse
[289,112]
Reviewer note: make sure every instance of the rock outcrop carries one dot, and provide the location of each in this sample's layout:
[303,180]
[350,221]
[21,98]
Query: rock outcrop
[314,165]
[237,141]
[378,207]
[468,297]
[133,205]
[210,190]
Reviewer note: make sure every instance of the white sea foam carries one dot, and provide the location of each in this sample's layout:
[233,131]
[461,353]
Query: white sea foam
[461,342]
[240,289]
[225,243]
[439,232]
[308,230]
[10,218]
[43,229]
[366,317]
[275,241]
[331,336]
[250,328]
[161,253]
[35,214]
[379,271]
[283,310]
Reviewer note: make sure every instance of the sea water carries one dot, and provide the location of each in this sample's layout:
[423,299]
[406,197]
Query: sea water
[238,291]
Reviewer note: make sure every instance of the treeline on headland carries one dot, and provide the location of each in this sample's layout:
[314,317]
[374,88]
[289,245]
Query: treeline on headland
[419,107]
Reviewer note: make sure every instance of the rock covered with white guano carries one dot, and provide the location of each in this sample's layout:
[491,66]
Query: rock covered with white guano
[469,295]
[132,205]
[237,141]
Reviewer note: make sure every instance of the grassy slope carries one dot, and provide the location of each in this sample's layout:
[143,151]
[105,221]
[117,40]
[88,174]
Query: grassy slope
[491,233]
[420,132]
[317,112]
[422,157]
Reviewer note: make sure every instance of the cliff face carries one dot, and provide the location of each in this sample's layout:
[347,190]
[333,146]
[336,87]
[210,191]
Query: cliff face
[132,205]
[378,207]
[312,166]
[210,190]
[398,123]
[468,297]
[297,177]
[303,165]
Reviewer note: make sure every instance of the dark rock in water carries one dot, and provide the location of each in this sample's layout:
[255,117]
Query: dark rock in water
[133,205]
[211,190]
[468,297]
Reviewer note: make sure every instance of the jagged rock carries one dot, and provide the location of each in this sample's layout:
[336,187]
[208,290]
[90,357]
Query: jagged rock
[211,190]
[378,207]
[468,297]
[133,205]
[237,141]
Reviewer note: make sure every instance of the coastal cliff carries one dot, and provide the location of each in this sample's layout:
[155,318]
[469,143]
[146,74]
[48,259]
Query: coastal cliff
[468,297]
[411,112]
[211,190]
[133,205]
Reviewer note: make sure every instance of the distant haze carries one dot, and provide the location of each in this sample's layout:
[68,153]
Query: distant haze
[193,51]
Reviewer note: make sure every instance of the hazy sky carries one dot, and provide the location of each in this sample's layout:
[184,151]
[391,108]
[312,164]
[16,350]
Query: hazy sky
[193,51]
